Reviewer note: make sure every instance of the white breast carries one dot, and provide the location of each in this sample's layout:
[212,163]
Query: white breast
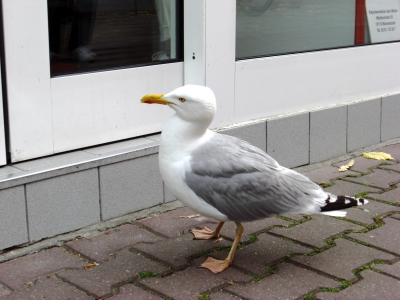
[174,161]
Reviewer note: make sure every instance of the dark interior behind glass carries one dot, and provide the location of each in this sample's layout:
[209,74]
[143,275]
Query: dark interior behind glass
[93,35]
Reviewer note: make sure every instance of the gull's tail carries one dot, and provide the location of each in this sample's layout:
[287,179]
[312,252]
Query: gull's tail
[334,204]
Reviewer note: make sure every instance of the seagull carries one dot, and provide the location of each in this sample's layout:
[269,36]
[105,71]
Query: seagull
[226,178]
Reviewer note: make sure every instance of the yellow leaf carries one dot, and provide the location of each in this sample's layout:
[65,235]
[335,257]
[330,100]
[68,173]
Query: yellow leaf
[190,217]
[377,155]
[218,240]
[346,167]
[89,266]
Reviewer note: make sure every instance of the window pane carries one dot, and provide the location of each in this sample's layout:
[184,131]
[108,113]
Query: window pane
[90,35]
[271,27]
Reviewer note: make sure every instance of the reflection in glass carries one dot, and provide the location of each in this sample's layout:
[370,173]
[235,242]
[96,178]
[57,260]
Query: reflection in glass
[90,35]
[289,26]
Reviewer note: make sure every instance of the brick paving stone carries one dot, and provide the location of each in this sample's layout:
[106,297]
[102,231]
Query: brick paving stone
[317,230]
[393,270]
[48,288]
[189,283]
[255,257]
[327,174]
[229,229]
[175,252]
[393,150]
[170,224]
[366,213]
[99,247]
[18,272]
[341,187]
[124,268]
[222,296]
[394,167]
[4,291]
[396,216]
[297,217]
[379,178]
[390,196]
[130,291]
[361,164]
[372,286]
[341,260]
[290,282]
[382,237]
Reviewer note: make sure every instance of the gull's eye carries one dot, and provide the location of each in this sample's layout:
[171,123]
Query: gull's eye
[182,99]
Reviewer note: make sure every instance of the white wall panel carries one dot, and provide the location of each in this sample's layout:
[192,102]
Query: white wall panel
[102,107]
[220,57]
[210,51]
[276,85]
[28,78]
[194,42]
[3,155]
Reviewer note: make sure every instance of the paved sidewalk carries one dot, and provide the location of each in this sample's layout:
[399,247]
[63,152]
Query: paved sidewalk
[285,257]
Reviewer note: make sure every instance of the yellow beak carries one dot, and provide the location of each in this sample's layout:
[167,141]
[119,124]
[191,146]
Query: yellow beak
[154,98]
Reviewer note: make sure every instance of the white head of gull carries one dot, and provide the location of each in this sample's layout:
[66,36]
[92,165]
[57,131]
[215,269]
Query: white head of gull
[226,178]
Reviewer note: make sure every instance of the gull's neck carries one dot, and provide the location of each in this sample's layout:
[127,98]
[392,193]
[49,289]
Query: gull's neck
[179,136]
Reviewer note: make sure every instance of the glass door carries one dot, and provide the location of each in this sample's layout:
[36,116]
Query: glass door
[76,70]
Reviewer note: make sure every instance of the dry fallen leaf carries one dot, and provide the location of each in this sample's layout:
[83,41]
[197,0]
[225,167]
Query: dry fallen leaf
[78,238]
[89,266]
[190,217]
[377,155]
[218,240]
[346,167]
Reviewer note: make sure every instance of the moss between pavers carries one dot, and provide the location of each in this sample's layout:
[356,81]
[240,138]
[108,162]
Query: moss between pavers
[258,278]
[253,238]
[361,195]
[272,269]
[310,295]
[324,185]
[295,222]
[203,296]
[368,266]
[146,274]
[384,202]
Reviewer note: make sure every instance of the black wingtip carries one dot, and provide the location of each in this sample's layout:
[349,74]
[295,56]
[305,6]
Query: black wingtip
[342,202]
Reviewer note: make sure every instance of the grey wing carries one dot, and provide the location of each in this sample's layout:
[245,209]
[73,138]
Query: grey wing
[246,184]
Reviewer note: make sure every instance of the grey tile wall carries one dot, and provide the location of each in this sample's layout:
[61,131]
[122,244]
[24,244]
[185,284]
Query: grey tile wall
[129,186]
[364,121]
[168,196]
[390,126]
[254,133]
[289,139]
[13,226]
[328,133]
[62,204]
